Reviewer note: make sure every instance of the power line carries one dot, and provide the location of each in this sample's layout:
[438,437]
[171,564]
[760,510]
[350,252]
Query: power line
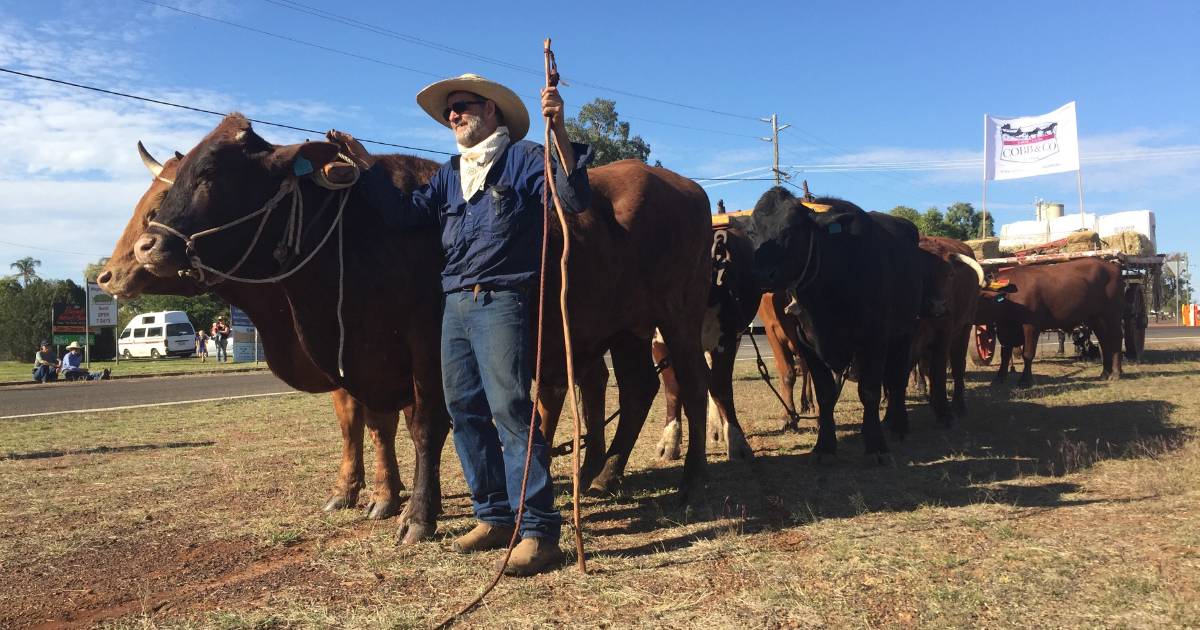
[412,40]
[353,23]
[56,251]
[292,39]
[205,111]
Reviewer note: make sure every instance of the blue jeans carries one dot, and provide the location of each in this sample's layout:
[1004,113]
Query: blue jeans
[487,365]
[222,355]
[45,374]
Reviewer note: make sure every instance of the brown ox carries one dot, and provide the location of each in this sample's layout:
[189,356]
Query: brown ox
[639,260]
[389,354]
[783,335]
[1056,296]
[124,277]
[950,267]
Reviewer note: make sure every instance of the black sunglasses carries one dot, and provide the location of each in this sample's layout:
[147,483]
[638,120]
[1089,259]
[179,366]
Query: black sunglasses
[459,108]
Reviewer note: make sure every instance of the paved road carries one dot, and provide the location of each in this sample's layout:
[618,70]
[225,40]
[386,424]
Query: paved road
[24,400]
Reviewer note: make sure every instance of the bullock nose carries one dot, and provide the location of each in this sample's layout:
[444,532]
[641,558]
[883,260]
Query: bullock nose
[104,278]
[145,244]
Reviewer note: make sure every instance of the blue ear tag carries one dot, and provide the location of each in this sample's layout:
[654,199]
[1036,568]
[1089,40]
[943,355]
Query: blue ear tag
[301,166]
[835,228]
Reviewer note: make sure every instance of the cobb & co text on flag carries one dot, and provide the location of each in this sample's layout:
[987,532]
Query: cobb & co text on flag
[1031,145]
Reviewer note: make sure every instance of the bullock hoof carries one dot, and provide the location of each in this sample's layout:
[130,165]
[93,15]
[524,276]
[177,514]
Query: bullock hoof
[824,459]
[959,408]
[872,460]
[340,502]
[605,486]
[738,448]
[1025,383]
[380,509]
[790,425]
[898,430]
[670,444]
[412,532]
[715,434]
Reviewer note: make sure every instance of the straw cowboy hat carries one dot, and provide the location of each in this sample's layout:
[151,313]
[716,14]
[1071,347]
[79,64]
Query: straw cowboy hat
[432,99]
[74,345]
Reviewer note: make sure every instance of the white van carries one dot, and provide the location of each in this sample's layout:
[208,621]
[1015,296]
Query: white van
[154,335]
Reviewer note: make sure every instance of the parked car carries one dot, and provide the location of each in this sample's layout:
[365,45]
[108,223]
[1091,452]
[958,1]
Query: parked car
[154,335]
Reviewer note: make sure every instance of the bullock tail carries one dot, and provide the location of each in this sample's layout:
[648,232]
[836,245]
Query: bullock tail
[967,260]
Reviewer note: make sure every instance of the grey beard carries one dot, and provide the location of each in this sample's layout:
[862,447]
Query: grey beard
[472,134]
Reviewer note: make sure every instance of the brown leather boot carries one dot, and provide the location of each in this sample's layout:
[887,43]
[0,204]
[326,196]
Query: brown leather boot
[483,537]
[532,556]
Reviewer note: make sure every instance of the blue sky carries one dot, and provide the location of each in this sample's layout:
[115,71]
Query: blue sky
[862,84]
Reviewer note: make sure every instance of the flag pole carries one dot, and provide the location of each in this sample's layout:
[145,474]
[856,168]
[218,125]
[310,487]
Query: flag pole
[986,158]
[1079,183]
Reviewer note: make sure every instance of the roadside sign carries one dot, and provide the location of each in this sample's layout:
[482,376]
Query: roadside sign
[102,307]
[245,347]
[62,339]
[68,318]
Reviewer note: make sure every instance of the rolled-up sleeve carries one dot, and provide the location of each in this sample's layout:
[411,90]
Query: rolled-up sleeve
[574,190]
[401,209]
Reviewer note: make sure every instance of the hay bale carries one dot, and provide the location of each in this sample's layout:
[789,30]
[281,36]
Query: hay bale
[1131,243]
[1083,241]
[985,248]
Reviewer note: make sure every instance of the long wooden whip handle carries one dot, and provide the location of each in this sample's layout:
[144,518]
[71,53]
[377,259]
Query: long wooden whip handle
[551,81]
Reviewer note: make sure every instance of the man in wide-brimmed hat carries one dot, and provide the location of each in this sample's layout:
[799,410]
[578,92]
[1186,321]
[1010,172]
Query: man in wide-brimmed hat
[72,365]
[488,202]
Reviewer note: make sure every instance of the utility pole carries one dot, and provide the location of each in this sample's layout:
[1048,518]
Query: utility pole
[774,140]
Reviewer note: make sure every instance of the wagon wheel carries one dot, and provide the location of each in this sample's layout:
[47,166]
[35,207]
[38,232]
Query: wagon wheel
[985,345]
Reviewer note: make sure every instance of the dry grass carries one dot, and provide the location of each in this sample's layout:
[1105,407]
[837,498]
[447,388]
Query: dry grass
[1071,504]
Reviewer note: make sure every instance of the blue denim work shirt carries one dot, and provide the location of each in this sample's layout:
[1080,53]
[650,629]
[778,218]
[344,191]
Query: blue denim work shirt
[495,237]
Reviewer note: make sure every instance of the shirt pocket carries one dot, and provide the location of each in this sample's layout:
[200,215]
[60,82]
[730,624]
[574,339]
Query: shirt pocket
[503,214]
[452,225]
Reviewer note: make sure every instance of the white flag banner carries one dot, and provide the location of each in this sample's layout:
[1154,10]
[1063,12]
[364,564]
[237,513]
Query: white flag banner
[1031,145]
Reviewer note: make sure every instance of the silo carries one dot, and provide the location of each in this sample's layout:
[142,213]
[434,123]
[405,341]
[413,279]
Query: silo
[1051,211]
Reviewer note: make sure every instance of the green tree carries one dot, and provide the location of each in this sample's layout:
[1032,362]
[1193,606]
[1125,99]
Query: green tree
[905,212]
[92,270]
[25,314]
[26,268]
[934,224]
[960,221]
[965,221]
[599,125]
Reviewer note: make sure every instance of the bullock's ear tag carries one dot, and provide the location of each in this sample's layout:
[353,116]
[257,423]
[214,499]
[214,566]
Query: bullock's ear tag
[301,166]
[835,228]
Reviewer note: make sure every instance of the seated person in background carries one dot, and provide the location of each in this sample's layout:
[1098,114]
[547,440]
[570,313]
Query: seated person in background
[71,363]
[45,364]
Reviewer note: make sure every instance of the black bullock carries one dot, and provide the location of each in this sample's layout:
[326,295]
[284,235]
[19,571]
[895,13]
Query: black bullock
[856,282]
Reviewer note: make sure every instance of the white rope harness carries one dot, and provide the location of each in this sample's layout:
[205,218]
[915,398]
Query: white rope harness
[290,240]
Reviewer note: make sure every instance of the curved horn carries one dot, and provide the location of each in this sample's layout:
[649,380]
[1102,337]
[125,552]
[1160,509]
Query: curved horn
[972,263]
[149,161]
[178,155]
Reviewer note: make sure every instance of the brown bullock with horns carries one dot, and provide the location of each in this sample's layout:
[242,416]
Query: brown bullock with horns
[125,277]
[641,218]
